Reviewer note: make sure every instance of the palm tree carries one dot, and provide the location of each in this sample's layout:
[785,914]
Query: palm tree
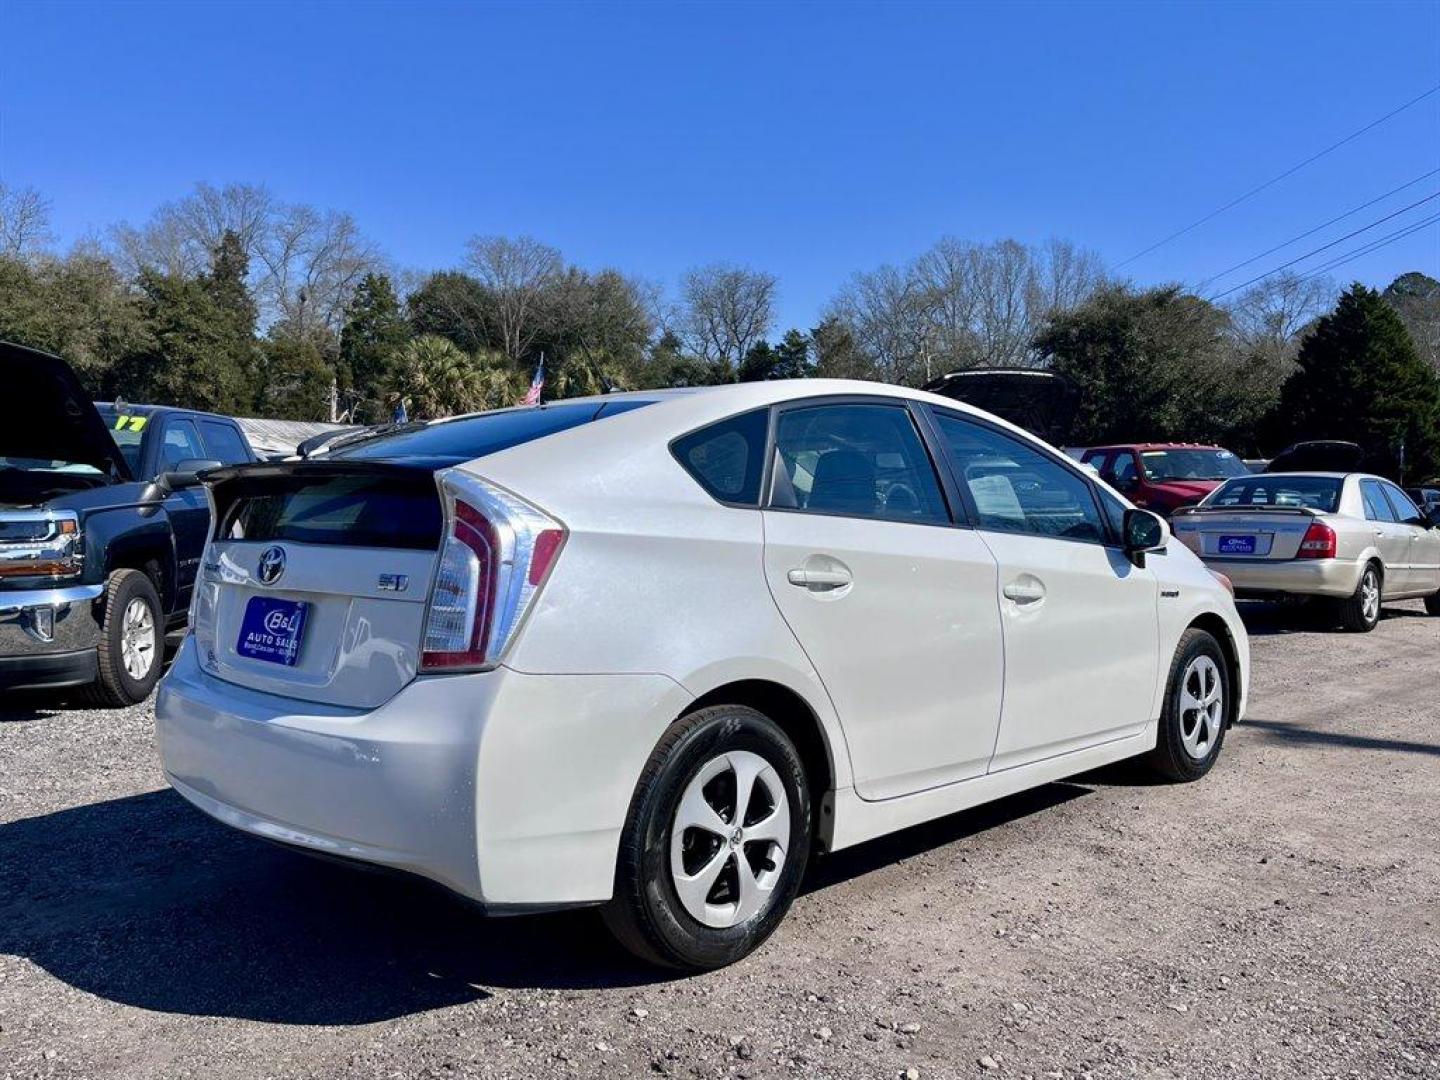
[435,379]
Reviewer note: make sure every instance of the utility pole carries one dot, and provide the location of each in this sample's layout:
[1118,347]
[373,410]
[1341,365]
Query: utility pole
[334,399]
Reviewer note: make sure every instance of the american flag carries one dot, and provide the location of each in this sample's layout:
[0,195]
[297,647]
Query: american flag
[532,396]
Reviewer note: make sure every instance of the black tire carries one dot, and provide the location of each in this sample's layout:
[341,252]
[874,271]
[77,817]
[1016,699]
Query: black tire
[1352,610]
[646,913]
[1171,758]
[115,687]
[1432,603]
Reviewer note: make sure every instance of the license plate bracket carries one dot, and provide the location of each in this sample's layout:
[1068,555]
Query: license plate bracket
[272,630]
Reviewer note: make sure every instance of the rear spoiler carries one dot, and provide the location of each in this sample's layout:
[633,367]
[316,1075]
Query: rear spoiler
[1303,511]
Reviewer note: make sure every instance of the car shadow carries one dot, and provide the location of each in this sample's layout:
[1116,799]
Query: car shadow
[1299,735]
[146,902]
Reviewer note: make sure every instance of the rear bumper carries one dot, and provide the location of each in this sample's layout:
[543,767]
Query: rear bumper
[507,788]
[48,637]
[1298,577]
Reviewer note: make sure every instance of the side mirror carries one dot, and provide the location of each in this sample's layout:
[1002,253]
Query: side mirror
[186,474]
[1144,532]
[1432,514]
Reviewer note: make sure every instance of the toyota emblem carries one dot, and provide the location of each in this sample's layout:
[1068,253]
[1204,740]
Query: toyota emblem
[272,565]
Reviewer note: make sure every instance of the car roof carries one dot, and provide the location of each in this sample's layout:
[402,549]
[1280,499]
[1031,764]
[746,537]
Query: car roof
[137,409]
[1148,446]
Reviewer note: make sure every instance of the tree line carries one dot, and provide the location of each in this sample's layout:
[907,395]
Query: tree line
[233,300]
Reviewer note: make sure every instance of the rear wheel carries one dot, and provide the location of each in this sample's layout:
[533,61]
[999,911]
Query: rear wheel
[1361,611]
[715,844]
[131,641]
[1432,603]
[1197,704]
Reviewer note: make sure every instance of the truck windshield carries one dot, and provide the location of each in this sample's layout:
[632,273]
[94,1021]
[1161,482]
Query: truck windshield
[127,429]
[1162,465]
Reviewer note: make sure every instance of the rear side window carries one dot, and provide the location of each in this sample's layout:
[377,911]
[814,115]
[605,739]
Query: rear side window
[449,442]
[224,443]
[727,459]
[1376,508]
[856,461]
[355,511]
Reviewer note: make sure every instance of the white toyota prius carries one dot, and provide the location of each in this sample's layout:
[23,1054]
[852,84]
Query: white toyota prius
[652,650]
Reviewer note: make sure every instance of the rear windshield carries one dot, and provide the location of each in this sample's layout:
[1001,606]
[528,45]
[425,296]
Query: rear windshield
[355,511]
[1315,492]
[449,442]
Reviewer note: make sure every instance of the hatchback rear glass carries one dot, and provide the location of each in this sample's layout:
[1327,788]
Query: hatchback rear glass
[1313,492]
[444,443]
[365,510]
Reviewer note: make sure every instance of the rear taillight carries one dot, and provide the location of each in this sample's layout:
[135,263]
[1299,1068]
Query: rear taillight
[1319,542]
[496,555]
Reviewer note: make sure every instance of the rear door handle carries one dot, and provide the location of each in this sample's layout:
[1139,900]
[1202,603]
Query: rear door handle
[819,579]
[1024,592]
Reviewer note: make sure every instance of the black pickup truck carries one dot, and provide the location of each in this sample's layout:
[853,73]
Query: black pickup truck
[102,524]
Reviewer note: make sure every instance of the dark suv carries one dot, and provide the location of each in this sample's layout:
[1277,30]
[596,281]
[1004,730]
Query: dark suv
[102,523]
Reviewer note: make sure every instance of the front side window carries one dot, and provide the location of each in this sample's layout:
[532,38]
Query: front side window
[1017,488]
[857,461]
[1376,508]
[1405,510]
[181,443]
[1122,470]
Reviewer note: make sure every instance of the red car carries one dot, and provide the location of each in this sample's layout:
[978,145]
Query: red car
[1164,476]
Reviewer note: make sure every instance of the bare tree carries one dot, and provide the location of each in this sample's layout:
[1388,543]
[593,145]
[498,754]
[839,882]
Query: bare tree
[963,305]
[181,236]
[1269,319]
[727,310]
[24,222]
[310,263]
[517,272]
[888,316]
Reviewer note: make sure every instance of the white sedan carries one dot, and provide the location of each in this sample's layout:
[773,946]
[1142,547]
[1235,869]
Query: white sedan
[650,651]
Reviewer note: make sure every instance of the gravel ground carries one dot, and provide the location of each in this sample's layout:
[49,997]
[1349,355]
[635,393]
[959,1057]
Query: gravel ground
[1278,919]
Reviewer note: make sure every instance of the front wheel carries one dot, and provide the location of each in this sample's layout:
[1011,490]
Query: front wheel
[715,844]
[1361,612]
[1197,704]
[132,641]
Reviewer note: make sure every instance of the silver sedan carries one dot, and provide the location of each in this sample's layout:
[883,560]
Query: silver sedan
[1355,538]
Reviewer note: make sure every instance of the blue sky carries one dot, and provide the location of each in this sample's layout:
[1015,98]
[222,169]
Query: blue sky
[810,140]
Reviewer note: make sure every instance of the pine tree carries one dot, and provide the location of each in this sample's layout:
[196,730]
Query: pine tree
[1360,378]
[374,333]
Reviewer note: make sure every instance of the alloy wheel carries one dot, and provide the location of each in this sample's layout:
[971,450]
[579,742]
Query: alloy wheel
[1370,596]
[1202,706]
[728,839]
[138,639]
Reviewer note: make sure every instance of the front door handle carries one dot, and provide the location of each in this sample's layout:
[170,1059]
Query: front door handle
[1024,592]
[819,579]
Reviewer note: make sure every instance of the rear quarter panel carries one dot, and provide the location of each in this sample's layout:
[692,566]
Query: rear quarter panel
[656,577]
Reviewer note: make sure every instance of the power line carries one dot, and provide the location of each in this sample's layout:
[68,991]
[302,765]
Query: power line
[1374,245]
[1326,247]
[1276,179]
[1311,232]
